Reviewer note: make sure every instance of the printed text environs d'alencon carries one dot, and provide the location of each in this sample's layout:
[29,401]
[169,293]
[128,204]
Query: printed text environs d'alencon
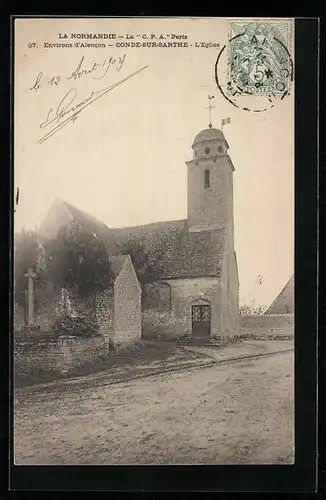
[138,40]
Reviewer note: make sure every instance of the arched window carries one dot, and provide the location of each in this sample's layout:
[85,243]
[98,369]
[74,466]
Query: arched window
[207,150]
[220,149]
[157,296]
[195,153]
[207,179]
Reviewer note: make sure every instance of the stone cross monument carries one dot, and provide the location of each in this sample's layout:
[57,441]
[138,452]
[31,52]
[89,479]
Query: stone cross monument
[30,275]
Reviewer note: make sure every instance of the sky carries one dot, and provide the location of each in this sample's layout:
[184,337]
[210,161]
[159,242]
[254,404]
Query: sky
[123,159]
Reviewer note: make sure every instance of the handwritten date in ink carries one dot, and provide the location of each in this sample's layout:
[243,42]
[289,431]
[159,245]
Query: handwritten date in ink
[41,81]
[98,70]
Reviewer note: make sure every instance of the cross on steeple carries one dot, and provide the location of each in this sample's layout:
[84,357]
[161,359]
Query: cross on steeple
[210,107]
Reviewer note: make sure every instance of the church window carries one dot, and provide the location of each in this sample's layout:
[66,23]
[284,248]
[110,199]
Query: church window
[195,153]
[207,150]
[207,179]
[220,149]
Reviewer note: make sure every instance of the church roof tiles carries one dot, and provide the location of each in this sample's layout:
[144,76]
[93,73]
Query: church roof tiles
[174,251]
[171,249]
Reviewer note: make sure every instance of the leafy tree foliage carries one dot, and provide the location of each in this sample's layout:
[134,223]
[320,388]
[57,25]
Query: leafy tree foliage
[78,260]
[79,326]
[252,310]
[146,254]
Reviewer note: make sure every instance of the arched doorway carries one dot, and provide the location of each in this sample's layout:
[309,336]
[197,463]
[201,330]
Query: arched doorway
[201,319]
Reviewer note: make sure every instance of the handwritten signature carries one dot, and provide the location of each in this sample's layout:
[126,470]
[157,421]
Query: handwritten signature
[68,109]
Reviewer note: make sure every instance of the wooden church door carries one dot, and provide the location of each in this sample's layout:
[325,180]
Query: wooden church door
[201,321]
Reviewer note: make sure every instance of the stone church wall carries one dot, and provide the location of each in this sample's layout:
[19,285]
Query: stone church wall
[229,303]
[209,207]
[162,325]
[157,296]
[177,322]
[186,291]
[234,294]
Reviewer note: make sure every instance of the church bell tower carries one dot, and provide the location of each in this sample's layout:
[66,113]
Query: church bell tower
[210,183]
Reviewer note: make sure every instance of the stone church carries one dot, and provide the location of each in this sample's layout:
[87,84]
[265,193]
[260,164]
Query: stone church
[195,282]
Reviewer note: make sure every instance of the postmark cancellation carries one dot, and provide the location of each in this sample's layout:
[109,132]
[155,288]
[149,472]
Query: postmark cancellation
[258,63]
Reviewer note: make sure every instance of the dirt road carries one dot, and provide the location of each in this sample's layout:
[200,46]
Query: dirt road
[241,413]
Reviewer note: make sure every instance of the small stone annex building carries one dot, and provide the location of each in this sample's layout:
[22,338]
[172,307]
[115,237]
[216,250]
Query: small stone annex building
[196,281]
[118,308]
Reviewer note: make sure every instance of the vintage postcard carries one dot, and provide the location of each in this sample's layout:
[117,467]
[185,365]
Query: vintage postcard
[153,241]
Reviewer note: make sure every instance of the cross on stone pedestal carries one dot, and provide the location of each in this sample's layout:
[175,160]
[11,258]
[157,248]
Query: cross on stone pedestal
[30,275]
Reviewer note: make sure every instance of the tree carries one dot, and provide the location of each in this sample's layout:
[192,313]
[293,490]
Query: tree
[147,254]
[135,247]
[252,309]
[78,260]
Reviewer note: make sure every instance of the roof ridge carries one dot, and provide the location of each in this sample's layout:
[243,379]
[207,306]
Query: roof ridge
[155,223]
[83,212]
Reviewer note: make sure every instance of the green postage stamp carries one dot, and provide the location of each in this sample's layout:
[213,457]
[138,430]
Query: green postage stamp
[259,61]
